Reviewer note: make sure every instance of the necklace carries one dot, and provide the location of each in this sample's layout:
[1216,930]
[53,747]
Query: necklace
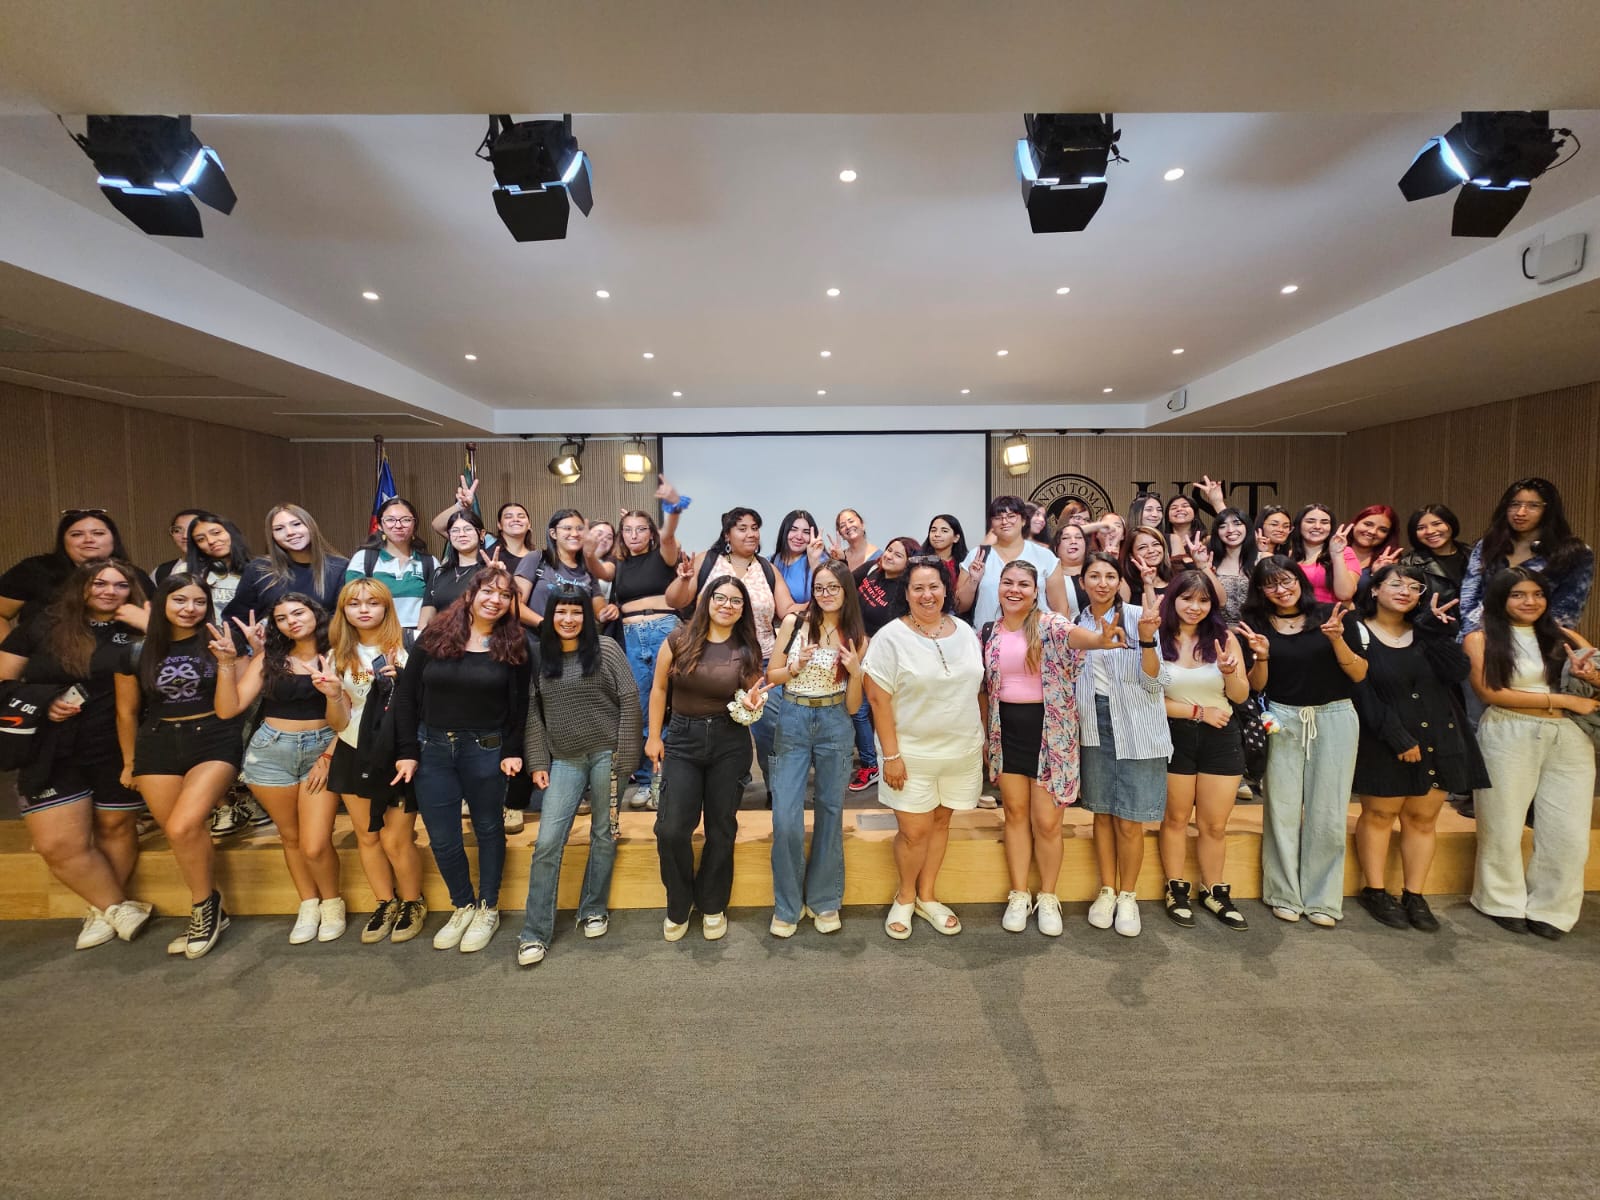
[1293,624]
[457,574]
[933,638]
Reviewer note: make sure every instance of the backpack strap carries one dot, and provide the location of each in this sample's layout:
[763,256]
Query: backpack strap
[794,636]
[986,633]
[706,563]
[369,560]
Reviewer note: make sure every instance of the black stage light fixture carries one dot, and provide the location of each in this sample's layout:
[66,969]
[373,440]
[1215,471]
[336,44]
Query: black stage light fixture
[567,465]
[151,166]
[539,168]
[1061,164]
[1494,157]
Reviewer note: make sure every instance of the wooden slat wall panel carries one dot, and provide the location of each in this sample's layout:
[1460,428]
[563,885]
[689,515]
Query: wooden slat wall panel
[161,466]
[27,466]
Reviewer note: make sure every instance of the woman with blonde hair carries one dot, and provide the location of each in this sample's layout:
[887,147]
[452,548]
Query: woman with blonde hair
[298,559]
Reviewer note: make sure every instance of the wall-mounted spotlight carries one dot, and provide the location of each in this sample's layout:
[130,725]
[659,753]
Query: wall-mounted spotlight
[151,166]
[1062,167]
[538,166]
[1493,157]
[567,465]
[635,461]
[1017,455]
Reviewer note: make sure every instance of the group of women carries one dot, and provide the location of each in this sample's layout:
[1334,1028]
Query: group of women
[1143,667]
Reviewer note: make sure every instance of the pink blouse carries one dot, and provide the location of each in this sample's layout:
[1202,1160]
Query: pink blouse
[1017,686]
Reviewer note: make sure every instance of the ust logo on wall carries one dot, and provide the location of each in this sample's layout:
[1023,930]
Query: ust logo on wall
[1054,493]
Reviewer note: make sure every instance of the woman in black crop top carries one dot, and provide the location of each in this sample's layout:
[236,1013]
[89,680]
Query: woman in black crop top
[183,757]
[460,707]
[645,567]
[705,754]
[286,763]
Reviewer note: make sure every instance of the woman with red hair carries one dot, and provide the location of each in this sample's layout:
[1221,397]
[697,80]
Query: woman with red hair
[1374,537]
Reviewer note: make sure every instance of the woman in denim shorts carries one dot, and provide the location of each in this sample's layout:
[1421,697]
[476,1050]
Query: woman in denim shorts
[183,757]
[286,763]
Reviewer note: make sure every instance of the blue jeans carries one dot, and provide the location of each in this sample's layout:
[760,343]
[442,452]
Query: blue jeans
[1311,763]
[568,778]
[764,730]
[642,641]
[456,766]
[808,737]
[866,744]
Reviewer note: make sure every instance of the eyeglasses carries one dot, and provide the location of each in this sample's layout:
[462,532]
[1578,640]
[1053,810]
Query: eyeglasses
[1525,506]
[396,522]
[727,601]
[827,589]
[1279,585]
[1008,515]
[1405,586]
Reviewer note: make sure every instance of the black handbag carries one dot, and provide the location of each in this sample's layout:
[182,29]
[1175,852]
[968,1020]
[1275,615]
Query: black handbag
[1254,735]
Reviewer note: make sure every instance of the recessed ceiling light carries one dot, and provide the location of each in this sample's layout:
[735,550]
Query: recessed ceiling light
[825,353]
[847,176]
[1106,391]
[966,391]
[647,354]
[822,391]
[1289,289]
[1001,353]
[470,357]
[677,394]
[833,291]
[1178,350]
[370,296]
[1062,291]
[1173,175]
[602,294]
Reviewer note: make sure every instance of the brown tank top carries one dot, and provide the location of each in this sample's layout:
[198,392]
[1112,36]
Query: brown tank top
[706,691]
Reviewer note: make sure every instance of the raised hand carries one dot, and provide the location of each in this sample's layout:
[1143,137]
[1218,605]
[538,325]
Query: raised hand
[325,679]
[756,696]
[1388,558]
[816,551]
[1112,635]
[1199,550]
[1227,660]
[848,658]
[466,493]
[1212,491]
[1441,612]
[1149,623]
[1263,544]
[665,492]
[1340,539]
[836,547]
[221,645]
[1333,627]
[685,567]
[255,632]
[1259,646]
[1582,662]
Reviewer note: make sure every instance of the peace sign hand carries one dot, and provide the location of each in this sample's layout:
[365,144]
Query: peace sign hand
[1149,623]
[1333,627]
[756,697]
[1212,491]
[1582,663]
[848,658]
[1256,641]
[221,645]
[1264,544]
[1227,660]
[816,551]
[1441,612]
[1199,551]
[836,548]
[1112,635]
[466,492]
[1340,539]
[685,567]
[325,679]
[255,632]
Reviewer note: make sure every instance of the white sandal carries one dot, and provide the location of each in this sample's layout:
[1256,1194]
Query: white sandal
[938,915]
[899,914]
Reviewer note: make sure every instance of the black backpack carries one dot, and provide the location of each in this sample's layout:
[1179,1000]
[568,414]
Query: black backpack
[687,612]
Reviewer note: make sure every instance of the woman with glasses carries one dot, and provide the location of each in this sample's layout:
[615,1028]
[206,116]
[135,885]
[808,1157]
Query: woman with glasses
[461,707]
[512,525]
[1274,527]
[923,674]
[464,557]
[1003,544]
[78,812]
[712,669]
[298,559]
[1530,530]
[82,535]
[397,555]
[1413,748]
[818,664]
[561,564]
[1308,663]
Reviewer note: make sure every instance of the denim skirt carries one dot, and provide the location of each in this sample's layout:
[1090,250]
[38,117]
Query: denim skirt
[1134,789]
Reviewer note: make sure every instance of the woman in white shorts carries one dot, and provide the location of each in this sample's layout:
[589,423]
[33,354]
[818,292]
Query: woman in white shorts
[923,674]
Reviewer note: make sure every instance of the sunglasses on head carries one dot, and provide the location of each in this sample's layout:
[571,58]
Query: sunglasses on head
[79,513]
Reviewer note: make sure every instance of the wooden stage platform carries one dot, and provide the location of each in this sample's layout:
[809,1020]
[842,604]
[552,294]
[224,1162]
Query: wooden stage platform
[254,880]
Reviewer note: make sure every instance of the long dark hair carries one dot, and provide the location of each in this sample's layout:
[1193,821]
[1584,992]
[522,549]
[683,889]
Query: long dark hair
[1297,543]
[913,549]
[1248,551]
[1130,568]
[451,556]
[688,642]
[552,553]
[1432,510]
[1135,514]
[780,549]
[729,519]
[1110,560]
[1211,628]
[238,558]
[851,627]
[1367,598]
[550,651]
[69,639]
[158,633]
[1555,542]
[275,660]
[418,544]
[71,517]
[958,548]
[499,530]
[1273,510]
[1257,611]
[1197,527]
[446,635]
[1498,653]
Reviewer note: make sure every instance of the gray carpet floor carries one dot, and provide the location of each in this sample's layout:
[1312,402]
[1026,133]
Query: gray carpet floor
[1282,1062]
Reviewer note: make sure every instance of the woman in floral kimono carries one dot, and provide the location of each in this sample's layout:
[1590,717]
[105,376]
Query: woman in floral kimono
[1031,662]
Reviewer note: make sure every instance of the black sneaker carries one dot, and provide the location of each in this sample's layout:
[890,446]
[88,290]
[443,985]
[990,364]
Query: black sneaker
[1418,913]
[1385,909]
[1545,930]
[206,923]
[381,922]
[1178,904]
[410,920]
[1218,901]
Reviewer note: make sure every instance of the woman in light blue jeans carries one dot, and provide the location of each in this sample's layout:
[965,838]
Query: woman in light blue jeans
[582,732]
[1307,660]
[817,661]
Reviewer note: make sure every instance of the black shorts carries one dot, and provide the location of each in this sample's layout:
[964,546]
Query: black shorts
[177,747]
[1198,749]
[81,778]
[351,774]
[1021,732]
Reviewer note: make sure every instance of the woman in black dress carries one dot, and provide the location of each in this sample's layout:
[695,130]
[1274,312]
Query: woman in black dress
[1414,747]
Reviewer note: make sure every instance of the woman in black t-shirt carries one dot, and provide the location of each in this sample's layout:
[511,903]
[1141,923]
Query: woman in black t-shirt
[78,814]
[182,757]
[881,583]
[82,535]
[463,558]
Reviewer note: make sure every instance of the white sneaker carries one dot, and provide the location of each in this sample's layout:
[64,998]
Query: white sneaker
[484,922]
[228,818]
[96,931]
[1047,911]
[1018,906]
[254,813]
[514,820]
[449,937]
[306,923]
[529,953]
[713,926]
[1127,918]
[330,921]
[129,918]
[1100,911]
[639,797]
[987,801]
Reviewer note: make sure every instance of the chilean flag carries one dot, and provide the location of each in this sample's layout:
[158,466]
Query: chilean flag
[385,490]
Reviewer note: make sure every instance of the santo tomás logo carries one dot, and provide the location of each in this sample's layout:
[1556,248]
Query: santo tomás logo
[1054,493]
